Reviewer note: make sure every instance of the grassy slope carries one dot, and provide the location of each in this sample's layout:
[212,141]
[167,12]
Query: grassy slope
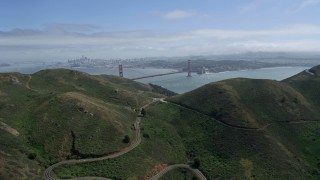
[174,134]
[98,109]
[14,150]
[160,144]
[178,135]
[308,85]
[248,102]
[278,107]
[179,174]
[308,135]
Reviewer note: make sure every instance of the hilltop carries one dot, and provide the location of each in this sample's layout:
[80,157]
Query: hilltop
[254,103]
[249,103]
[308,83]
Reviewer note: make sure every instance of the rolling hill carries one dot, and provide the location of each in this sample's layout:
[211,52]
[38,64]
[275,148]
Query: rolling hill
[285,113]
[61,114]
[237,128]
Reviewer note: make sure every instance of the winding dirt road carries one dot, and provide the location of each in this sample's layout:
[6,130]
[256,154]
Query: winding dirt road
[169,168]
[49,174]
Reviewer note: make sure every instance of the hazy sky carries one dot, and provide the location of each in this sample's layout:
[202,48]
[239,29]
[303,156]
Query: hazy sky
[63,29]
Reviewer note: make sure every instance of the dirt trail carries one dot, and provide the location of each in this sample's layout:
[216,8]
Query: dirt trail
[49,174]
[308,71]
[169,168]
[301,121]
[156,170]
[28,82]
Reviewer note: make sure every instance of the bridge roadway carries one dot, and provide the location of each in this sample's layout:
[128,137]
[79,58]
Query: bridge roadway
[50,175]
[155,75]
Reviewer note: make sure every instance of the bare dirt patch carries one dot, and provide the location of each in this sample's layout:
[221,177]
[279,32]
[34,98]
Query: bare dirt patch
[9,129]
[3,94]
[4,153]
[13,169]
[10,78]
[248,167]
[64,151]
[155,170]
[95,106]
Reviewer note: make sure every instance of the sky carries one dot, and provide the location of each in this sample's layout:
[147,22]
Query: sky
[50,30]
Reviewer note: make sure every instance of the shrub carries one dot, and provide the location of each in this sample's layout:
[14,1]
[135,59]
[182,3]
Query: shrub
[143,112]
[146,136]
[126,139]
[32,156]
[196,163]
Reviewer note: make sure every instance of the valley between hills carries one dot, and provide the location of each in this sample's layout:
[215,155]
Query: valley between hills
[233,129]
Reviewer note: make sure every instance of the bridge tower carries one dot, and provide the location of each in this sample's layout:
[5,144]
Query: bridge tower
[120,70]
[189,68]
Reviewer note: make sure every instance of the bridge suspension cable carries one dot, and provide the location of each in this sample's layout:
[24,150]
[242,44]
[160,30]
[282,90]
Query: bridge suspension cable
[134,70]
[155,75]
[166,80]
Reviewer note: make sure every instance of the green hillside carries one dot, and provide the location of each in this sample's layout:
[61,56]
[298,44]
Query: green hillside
[61,114]
[249,103]
[308,84]
[174,135]
[179,174]
[237,128]
[287,113]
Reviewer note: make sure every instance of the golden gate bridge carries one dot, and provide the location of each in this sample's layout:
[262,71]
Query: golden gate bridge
[188,70]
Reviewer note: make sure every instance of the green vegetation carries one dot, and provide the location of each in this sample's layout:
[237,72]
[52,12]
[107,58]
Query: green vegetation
[308,85]
[287,113]
[248,102]
[196,163]
[126,139]
[233,129]
[179,174]
[61,114]
[161,90]
[178,132]
[143,112]
[163,145]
